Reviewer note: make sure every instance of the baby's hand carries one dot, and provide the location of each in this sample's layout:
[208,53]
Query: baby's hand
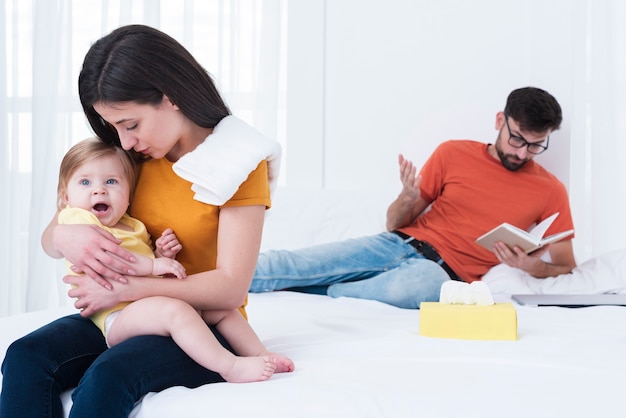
[167,245]
[168,266]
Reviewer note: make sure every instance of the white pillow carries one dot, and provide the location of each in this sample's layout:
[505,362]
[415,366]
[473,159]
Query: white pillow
[605,273]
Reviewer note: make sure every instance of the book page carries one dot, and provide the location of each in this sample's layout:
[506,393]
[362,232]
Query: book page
[556,237]
[540,230]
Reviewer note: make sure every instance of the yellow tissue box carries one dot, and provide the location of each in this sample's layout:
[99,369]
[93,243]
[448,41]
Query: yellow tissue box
[468,322]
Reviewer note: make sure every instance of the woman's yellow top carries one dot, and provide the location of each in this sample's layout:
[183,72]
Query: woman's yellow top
[163,200]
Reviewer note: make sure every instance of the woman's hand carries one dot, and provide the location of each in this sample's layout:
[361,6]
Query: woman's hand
[90,296]
[94,252]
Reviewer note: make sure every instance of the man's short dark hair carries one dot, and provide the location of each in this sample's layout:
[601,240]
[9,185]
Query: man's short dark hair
[534,110]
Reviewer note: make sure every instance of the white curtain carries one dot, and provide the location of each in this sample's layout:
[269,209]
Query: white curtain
[242,44]
[41,49]
[598,121]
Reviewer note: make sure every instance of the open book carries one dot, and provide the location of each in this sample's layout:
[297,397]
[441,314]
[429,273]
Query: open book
[527,241]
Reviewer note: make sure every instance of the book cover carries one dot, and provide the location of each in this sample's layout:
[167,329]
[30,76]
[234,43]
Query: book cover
[528,241]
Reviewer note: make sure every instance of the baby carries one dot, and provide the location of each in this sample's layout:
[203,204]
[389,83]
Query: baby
[96,181]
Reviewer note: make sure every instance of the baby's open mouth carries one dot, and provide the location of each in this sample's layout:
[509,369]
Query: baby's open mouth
[100,207]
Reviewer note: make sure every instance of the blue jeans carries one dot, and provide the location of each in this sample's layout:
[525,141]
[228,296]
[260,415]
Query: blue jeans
[380,267]
[71,352]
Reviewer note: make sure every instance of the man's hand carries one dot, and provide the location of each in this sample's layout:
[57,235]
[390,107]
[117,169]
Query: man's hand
[561,259]
[517,258]
[409,203]
[410,181]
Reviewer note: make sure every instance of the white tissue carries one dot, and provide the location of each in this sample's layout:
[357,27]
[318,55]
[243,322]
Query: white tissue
[461,293]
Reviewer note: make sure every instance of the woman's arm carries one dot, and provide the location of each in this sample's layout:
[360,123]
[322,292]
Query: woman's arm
[226,287]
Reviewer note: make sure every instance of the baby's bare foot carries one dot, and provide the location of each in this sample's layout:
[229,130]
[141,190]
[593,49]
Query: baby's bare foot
[283,363]
[251,369]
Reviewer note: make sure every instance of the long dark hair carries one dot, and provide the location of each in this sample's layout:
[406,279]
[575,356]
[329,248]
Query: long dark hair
[137,63]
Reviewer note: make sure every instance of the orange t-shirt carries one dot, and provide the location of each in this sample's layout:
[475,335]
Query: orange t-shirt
[471,193]
[163,200]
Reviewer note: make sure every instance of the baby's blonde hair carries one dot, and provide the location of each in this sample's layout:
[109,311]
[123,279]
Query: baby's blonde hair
[88,150]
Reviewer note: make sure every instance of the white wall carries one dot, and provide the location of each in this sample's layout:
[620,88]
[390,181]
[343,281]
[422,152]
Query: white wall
[370,79]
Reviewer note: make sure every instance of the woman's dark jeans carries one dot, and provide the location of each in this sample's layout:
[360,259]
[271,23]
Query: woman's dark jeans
[71,352]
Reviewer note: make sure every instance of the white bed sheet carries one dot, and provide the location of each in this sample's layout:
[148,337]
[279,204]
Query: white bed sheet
[358,358]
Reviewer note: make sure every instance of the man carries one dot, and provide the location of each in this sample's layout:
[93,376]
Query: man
[468,188]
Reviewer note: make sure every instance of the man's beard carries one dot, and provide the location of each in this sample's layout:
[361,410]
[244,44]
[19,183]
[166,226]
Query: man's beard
[509,161]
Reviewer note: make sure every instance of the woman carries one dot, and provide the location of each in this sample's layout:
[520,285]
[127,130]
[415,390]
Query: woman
[142,90]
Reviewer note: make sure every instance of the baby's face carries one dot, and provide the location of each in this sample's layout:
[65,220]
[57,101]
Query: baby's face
[100,187]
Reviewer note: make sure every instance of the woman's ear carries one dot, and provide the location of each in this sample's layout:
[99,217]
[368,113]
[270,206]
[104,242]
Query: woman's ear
[166,101]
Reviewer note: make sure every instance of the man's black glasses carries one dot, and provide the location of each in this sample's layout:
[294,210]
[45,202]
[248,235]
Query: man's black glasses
[519,142]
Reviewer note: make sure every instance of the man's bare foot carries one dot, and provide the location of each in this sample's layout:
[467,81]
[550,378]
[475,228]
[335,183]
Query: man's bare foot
[251,369]
[283,363]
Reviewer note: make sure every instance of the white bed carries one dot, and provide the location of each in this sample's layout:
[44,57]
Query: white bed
[358,358]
